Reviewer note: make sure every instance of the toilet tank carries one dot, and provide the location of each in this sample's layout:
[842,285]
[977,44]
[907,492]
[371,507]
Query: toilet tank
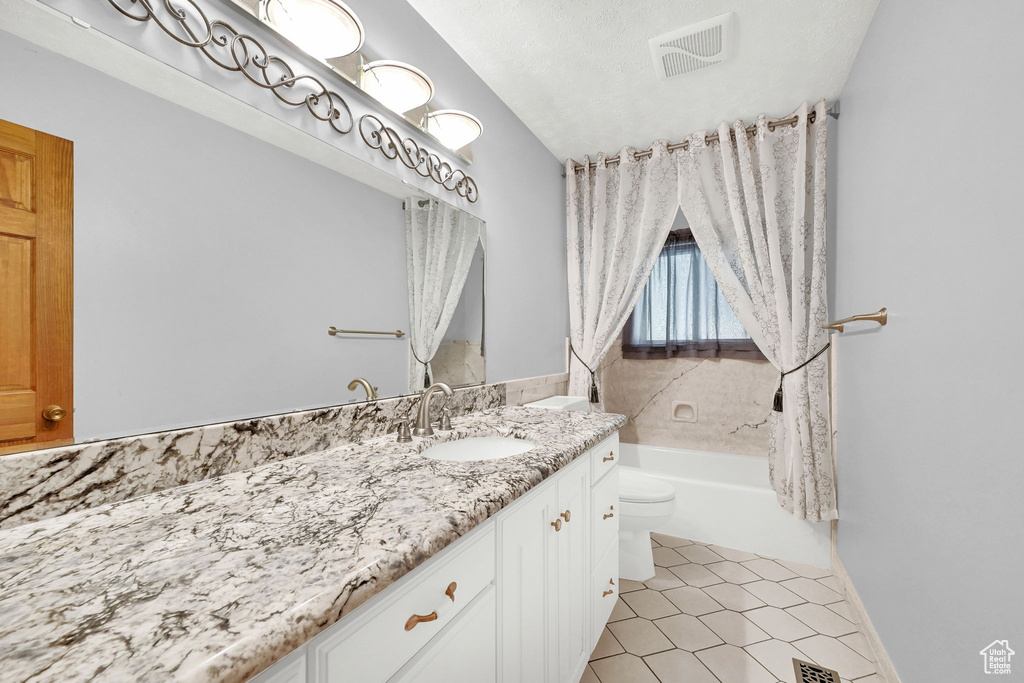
[577,403]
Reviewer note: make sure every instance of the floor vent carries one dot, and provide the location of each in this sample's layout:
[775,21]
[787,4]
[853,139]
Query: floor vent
[693,47]
[812,673]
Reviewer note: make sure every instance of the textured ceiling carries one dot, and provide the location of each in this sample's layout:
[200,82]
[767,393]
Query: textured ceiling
[579,72]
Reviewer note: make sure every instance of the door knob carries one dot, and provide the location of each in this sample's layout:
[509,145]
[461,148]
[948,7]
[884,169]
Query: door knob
[557,524]
[54,413]
[566,515]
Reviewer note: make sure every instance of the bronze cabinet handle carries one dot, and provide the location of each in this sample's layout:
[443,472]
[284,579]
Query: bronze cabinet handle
[54,413]
[557,524]
[607,593]
[610,456]
[609,514]
[423,618]
[566,515]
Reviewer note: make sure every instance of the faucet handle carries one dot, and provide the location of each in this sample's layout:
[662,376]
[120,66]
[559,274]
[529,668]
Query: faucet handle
[402,425]
[445,421]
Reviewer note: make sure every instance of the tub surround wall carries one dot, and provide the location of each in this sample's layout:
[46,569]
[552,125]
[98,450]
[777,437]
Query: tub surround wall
[218,579]
[733,399]
[522,391]
[41,484]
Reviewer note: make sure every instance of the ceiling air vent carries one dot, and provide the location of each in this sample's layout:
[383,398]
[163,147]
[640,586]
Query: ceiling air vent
[694,47]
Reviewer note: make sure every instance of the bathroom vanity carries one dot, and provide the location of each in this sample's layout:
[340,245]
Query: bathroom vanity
[371,561]
[523,597]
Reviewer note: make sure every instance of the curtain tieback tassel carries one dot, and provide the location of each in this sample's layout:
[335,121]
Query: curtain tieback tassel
[595,397]
[777,402]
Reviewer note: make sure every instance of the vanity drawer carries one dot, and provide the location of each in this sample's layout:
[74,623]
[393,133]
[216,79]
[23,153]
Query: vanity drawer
[604,588]
[604,456]
[604,513]
[377,643]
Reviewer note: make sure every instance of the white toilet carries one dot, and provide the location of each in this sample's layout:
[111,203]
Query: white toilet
[645,503]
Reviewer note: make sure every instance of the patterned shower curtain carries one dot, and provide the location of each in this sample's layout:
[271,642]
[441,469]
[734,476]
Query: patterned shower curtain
[440,241]
[756,206]
[617,219]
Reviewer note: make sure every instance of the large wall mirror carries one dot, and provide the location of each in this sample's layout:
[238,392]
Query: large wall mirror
[208,267]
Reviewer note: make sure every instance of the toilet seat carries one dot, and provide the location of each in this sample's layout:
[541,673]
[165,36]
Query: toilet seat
[637,487]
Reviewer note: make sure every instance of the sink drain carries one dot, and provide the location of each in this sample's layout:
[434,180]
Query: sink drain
[812,673]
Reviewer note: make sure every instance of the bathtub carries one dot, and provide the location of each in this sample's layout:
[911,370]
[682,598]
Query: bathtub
[726,500]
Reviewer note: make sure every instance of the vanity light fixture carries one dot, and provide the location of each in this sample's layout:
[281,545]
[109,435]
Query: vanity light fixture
[324,28]
[455,129]
[398,86]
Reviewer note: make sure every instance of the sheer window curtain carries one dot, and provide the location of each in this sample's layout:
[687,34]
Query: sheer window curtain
[756,206]
[617,219]
[682,312]
[440,241]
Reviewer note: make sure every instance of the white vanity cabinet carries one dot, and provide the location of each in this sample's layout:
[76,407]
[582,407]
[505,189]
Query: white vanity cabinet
[532,587]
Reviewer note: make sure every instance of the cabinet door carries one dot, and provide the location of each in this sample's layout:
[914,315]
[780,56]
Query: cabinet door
[463,653]
[525,569]
[574,571]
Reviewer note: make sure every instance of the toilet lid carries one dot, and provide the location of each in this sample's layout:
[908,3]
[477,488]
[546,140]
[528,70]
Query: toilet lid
[637,487]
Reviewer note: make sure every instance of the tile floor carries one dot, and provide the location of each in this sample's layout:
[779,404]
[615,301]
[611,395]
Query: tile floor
[716,615]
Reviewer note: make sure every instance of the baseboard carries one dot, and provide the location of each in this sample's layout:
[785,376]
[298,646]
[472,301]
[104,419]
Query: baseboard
[885,668]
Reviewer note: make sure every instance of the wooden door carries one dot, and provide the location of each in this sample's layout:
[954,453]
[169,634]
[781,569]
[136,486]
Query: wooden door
[36,206]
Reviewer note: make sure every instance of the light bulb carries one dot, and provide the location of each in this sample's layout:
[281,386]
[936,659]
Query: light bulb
[323,28]
[455,129]
[398,86]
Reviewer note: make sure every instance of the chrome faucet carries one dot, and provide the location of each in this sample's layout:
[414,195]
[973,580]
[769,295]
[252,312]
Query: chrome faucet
[371,391]
[422,427]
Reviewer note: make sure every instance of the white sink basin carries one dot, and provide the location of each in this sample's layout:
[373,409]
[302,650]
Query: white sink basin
[478,448]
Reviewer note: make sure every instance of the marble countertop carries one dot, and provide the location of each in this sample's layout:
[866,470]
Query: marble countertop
[217,579]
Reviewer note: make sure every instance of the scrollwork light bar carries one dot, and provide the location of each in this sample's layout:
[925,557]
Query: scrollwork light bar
[231,50]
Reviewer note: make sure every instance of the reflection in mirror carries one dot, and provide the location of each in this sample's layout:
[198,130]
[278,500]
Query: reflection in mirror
[442,243]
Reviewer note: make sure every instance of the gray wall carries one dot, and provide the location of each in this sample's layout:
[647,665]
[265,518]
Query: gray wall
[930,169]
[175,214]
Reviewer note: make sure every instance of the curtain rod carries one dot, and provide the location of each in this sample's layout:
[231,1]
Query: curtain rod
[708,139]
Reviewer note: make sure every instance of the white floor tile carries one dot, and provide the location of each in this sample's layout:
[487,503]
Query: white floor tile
[699,554]
[733,572]
[652,604]
[732,665]
[776,656]
[733,597]
[842,609]
[623,669]
[822,619]
[769,569]
[678,666]
[688,633]
[773,594]
[696,575]
[639,637]
[812,591]
[734,628]
[692,601]
[859,644]
[779,624]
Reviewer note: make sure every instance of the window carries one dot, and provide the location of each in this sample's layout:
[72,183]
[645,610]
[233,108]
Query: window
[682,312]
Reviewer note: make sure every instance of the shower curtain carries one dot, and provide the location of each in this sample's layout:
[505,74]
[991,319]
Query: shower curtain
[617,218]
[756,207]
[440,241]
